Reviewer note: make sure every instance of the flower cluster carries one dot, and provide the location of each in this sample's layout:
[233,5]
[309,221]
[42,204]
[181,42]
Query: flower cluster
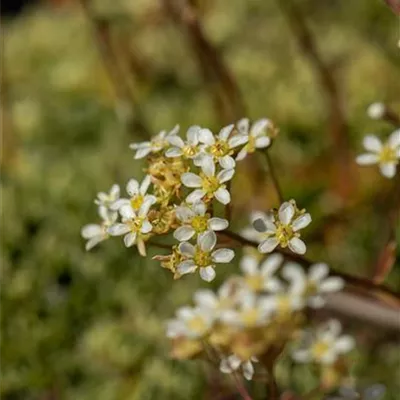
[256,315]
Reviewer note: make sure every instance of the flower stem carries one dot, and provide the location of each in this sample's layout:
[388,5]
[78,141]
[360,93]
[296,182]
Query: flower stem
[241,388]
[274,177]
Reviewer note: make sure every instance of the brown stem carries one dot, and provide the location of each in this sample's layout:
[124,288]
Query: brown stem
[274,177]
[240,387]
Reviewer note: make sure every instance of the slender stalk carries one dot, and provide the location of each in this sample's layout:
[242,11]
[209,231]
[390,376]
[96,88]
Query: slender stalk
[272,385]
[240,387]
[274,178]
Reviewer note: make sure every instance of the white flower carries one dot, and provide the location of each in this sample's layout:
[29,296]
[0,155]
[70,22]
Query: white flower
[189,149]
[207,184]
[314,285]
[260,277]
[387,155]
[325,346]
[249,232]
[157,143]
[376,110]
[252,311]
[221,147]
[283,229]
[137,192]
[203,257]
[190,322]
[194,220]
[133,225]
[233,363]
[106,199]
[96,233]
[257,136]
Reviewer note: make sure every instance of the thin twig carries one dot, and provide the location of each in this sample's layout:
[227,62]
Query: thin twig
[240,387]
[274,177]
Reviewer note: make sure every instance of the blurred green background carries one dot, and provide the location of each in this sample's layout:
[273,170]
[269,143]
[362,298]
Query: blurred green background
[79,325]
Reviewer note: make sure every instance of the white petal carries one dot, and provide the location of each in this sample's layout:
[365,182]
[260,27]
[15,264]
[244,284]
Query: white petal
[297,246]
[344,344]
[192,134]
[141,153]
[388,170]
[191,180]
[394,139]
[91,230]
[268,245]
[225,367]
[301,222]
[225,175]
[148,201]
[223,255]
[174,131]
[173,152]
[293,273]
[206,137]
[94,241]
[195,196]
[301,356]
[262,142]
[318,271]
[146,227]
[225,132]
[273,285]
[316,302]
[217,224]
[242,154]
[187,249]
[199,208]
[243,126]
[372,143]
[205,298]
[207,241]
[223,196]
[184,233]
[135,146]
[376,110]
[249,265]
[184,213]
[227,162]
[286,212]
[238,140]
[333,284]
[176,141]
[367,159]
[186,267]
[264,225]
[259,127]
[208,166]
[248,370]
[118,229]
[207,273]
[132,187]
[119,203]
[127,212]
[130,239]
[185,313]
[271,264]
[114,191]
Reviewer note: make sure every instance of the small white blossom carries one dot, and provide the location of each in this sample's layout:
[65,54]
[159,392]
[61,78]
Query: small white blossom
[138,194]
[107,199]
[257,136]
[191,322]
[313,285]
[258,278]
[376,110]
[252,311]
[203,257]
[325,346]
[207,184]
[194,220]
[283,230]
[249,232]
[387,155]
[233,363]
[221,146]
[373,392]
[155,145]
[96,233]
[189,149]
[134,225]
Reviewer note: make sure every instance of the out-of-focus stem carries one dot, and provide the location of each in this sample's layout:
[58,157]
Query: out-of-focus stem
[274,178]
[240,387]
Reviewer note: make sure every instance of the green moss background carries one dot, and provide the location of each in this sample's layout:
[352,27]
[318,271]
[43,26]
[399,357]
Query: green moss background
[79,325]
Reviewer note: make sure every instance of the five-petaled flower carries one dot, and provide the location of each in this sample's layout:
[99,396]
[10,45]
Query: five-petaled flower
[387,155]
[155,145]
[107,199]
[189,149]
[194,220]
[202,257]
[233,363]
[207,184]
[134,225]
[282,228]
[138,194]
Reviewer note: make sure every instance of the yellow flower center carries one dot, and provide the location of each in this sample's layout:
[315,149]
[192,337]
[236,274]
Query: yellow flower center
[199,223]
[250,317]
[202,258]
[251,144]
[319,349]
[197,325]
[189,151]
[387,154]
[284,305]
[137,201]
[158,144]
[311,289]
[210,184]
[284,233]
[220,148]
[135,224]
[255,282]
